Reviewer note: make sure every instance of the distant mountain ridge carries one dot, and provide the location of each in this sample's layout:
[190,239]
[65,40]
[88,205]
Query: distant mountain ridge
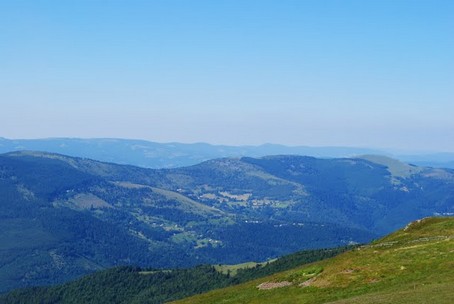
[64,216]
[172,155]
[163,155]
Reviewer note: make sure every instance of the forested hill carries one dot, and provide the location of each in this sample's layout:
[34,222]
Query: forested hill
[412,265]
[63,217]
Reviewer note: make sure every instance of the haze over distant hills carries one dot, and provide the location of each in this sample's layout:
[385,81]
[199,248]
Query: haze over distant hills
[171,155]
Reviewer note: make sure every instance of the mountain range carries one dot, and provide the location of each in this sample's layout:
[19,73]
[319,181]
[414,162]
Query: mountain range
[63,217]
[172,155]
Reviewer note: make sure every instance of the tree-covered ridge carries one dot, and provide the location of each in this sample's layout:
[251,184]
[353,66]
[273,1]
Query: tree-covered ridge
[135,285]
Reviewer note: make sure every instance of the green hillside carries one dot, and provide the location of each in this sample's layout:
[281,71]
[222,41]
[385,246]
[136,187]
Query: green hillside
[136,285]
[413,265]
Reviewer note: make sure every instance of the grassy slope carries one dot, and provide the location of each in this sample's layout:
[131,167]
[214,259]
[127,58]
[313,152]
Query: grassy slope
[233,269]
[413,265]
[394,166]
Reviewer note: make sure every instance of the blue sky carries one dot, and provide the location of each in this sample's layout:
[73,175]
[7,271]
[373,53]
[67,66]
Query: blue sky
[320,73]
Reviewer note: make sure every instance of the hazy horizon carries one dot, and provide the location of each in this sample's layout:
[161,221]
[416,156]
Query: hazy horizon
[380,150]
[367,74]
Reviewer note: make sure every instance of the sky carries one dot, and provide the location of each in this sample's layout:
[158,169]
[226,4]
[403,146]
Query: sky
[366,73]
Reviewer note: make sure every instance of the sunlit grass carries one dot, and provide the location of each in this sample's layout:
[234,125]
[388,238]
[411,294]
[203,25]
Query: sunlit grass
[413,265]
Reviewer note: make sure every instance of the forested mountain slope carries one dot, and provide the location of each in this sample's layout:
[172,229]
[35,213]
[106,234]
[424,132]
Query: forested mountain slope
[63,216]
